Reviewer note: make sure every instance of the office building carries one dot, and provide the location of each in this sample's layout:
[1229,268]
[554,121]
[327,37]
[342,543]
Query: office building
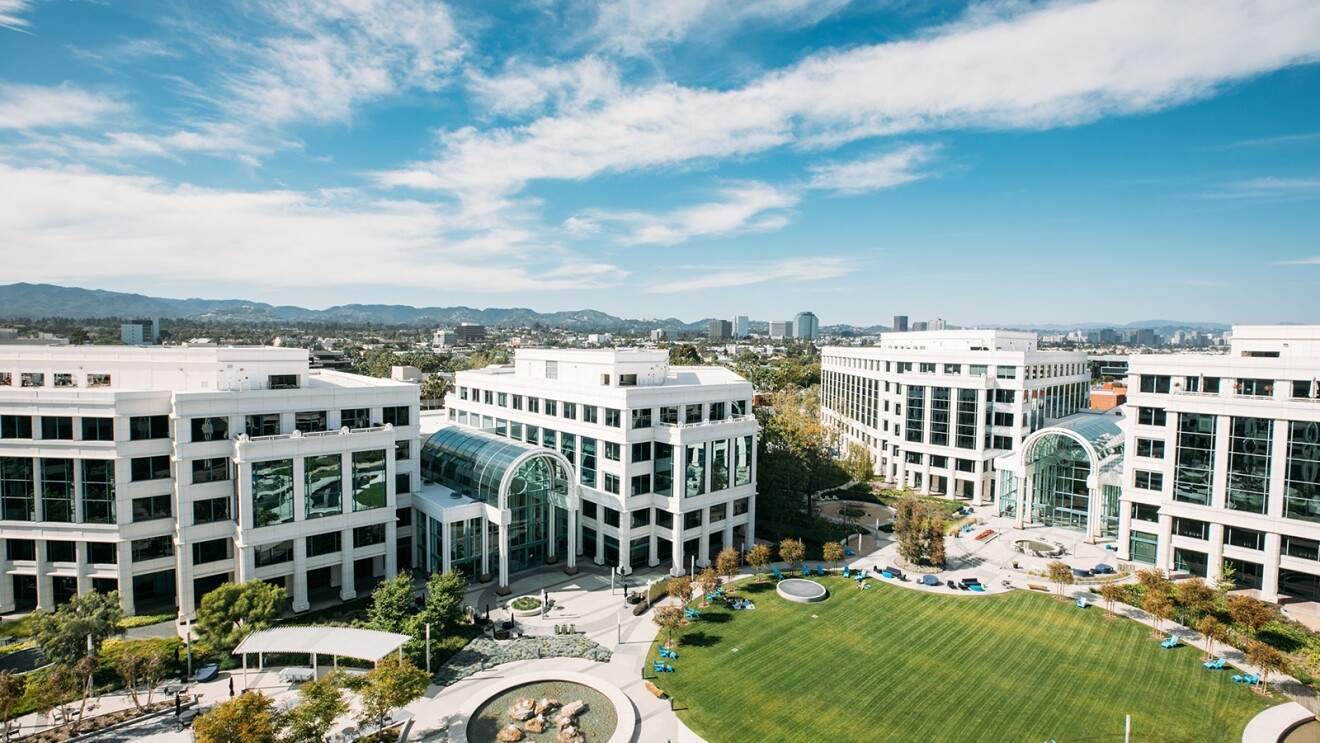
[935,408]
[900,323]
[470,332]
[164,472]
[741,327]
[659,334]
[628,462]
[444,338]
[1223,462]
[720,330]
[806,327]
[140,332]
[780,329]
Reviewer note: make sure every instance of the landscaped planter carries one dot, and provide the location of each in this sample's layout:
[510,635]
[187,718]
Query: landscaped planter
[533,606]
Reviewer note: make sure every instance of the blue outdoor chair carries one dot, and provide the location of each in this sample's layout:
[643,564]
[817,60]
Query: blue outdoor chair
[1081,602]
[845,572]
[1215,664]
[806,571]
[659,667]
[1169,642]
[820,570]
[691,614]
[848,551]
[778,575]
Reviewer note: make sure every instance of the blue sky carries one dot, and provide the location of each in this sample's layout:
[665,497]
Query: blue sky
[987,162]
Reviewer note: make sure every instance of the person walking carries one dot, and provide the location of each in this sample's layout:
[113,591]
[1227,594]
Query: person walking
[231,687]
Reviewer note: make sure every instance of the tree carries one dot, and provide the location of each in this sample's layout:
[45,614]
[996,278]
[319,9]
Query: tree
[857,463]
[142,666]
[708,581]
[669,618]
[1060,574]
[443,610]
[249,717]
[435,387]
[1250,613]
[1195,597]
[232,610]
[1213,630]
[392,604]
[1159,606]
[932,538]
[1227,579]
[1267,659]
[684,354]
[758,557]
[12,687]
[319,704]
[1152,579]
[908,528]
[1112,593]
[680,588]
[391,684]
[792,550]
[63,635]
[831,552]
[727,563]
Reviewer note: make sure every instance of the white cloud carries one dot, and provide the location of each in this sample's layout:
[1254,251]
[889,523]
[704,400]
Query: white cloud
[884,170]
[816,268]
[11,14]
[524,88]
[741,208]
[1203,283]
[27,107]
[1270,188]
[634,26]
[140,228]
[1313,260]
[1059,64]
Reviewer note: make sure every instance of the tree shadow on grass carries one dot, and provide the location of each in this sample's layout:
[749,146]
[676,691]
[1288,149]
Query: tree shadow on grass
[716,618]
[754,588]
[700,639]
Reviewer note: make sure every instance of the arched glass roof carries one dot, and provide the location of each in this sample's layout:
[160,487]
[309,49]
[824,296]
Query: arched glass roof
[471,462]
[1100,431]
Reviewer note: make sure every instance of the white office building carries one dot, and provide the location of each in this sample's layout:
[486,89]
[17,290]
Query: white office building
[780,329]
[1223,462]
[612,455]
[935,408]
[164,472]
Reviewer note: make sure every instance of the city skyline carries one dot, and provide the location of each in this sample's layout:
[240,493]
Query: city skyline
[992,163]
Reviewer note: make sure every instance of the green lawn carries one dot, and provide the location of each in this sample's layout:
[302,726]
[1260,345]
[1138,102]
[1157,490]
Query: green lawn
[897,664]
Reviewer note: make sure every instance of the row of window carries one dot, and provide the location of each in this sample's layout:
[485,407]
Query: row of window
[317,545]
[662,518]
[95,553]
[1300,389]
[148,427]
[273,487]
[57,379]
[640,418]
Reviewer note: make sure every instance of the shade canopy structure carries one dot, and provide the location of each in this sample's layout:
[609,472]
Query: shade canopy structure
[349,642]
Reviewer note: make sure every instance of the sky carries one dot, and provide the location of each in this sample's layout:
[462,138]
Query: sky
[996,162]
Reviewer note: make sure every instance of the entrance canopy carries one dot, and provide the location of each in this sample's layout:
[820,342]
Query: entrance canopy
[348,642]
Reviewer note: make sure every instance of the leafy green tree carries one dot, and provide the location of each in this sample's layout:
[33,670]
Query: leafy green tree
[1227,579]
[857,463]
[1159,606]
[442,609]
[1111,593]
[249,717]
[668,618]
[1250,613]
[758,557]
[1060,574]
[12,687]
[1267,659]
[727,563]
[908,518]
[932,538]
[142,666]
[63,636]
[391,684]
[232,610]
[1195,597]
[392,604]
[684,354]
[708,581]
[792,550]
[1213,631]
[435,387]
[831,552]
[319,704]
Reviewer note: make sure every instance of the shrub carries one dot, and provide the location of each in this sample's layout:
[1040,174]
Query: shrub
[526,603]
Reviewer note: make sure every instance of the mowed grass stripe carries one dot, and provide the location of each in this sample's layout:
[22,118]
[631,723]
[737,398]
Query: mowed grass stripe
[896,664]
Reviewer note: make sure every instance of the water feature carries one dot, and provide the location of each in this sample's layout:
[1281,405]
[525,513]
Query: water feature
[597,724]
[801,591]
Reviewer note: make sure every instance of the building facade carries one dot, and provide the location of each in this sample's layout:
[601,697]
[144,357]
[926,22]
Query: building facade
[781,329]
[661,460]
[806,326]
[720,330]
[900,323]
[741,326]
[164,472]
[935,408]
[1223,462]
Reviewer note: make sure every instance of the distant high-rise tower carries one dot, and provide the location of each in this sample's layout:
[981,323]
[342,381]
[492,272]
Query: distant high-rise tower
[720,329]
[780,329]
[740,324]
[937,324]
[900,324]
[805,326]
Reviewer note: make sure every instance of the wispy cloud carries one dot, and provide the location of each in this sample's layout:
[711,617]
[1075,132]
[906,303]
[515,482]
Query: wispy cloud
[29,107]
[741,208]
[275,238]
[1313,260]
[11,14]
[816,268]
[1263,142]
[1204,283]
[634,27]
[1270,188]
[1058,64]
[884,170]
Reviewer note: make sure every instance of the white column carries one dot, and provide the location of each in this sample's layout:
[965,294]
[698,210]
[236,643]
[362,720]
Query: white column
[391,553]
[485,549]
[1219,475]
[573,522]
[347,576]
[703,544]
[299,577]
[1164,551]
[45,590]
[124,567]
[680,566]
[751,522]
[1269,584]
[552,534]
[978,486]
[504,556]
[1215,556]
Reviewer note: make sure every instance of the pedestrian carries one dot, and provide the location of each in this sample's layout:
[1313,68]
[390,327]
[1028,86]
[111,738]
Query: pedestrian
[178,705]
[231,687]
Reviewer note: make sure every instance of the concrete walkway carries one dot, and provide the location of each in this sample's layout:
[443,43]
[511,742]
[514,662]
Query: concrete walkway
[1269,726]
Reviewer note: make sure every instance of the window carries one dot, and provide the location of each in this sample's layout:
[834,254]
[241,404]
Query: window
[611,451]
[211,510]
[283,381]
[98,380]
[1002,419]
[152,548]
[1249,464]
[641,517]
[462,393]
[57,427]
[402,450]
[1149,480]
[664,519]
[976,370]
[740,506]
[210,429]
[641,484]
[403,482]
[102,553]
[611,483]
[1158,383]
[552,370]
[663,482]
[1142,547]
[692,520]
[517,402]
[743,451]
[1244,538]
[1301,499]
[719,465]
[57,490]
[214,550]
[366,536]
[267,424]
[502,399]
[610,516]
[398,415]
[324,544]
[939,462]
[589,510]
[551,407]
[641,418]
[98,477]
[916,412]
[1195,563]
[368,480]
[1006,372]
[1191,528]
[30,379]
[1151,416]
[696,471]
[272,492]
[570,410]
[312,421]
[926,367]
[1301,388]
[641,451]
[669,415]
[627,380]
[1255,387]
[274,554]
[587,463]
[717,411]
[612,418]
[324,485]
[152,507]
[692,413]
[15,426]
[143,427]
[63,380]
[1153,448]
[355,418]
[738,408]
[590,414]
[149,468]
[61,551]
[6,379]
[1145,512]
[533,404]
[21,549]
[98,429]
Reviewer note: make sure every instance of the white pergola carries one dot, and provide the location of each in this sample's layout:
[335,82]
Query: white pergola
[350,642]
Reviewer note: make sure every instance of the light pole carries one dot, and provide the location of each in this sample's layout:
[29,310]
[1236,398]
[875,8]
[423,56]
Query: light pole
[187,626]
[692,574]
[428,647]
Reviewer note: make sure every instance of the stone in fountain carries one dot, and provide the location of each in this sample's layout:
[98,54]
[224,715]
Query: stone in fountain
[568,715]
[546,705]
[510,734]
[570,734]
[537,724]
[523,709]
